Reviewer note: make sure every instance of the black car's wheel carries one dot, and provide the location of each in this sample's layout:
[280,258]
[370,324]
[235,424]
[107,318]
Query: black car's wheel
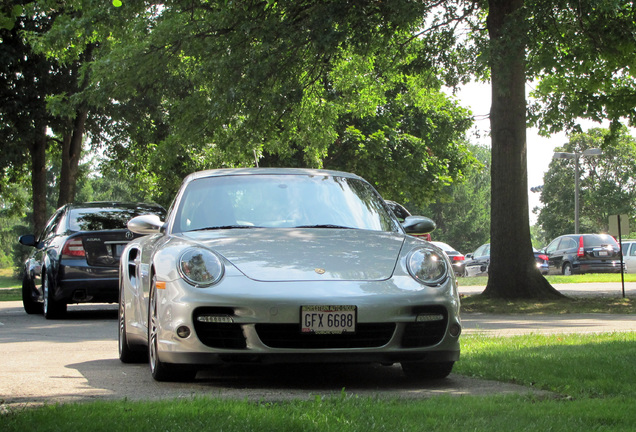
[162,371]
[427,371]
[31,305]
[567,269]
[52,308]
[126,353]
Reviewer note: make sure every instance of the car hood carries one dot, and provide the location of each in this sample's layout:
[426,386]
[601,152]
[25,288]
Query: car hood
[305,254]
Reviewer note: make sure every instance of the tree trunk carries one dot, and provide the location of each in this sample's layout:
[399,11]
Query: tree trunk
[71,154]
[512,273]
[38,180]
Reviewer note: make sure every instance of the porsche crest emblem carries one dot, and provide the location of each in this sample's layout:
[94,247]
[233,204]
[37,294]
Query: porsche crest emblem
[319,270]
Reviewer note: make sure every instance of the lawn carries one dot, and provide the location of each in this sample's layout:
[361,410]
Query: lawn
[7,280]
[588,379]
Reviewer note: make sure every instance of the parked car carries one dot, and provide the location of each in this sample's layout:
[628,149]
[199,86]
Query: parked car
[266,265]
[402,213]
[583,253]
[76,258]
[457,258]
[478,262]
[629,255]
[542,261]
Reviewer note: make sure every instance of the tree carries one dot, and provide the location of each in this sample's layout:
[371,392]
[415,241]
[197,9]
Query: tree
[581,54]
[511,275]
[607,185]
[463,207]
[25,80]
[294,83]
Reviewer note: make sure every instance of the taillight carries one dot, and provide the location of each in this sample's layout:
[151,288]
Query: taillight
[458,257]
[73,248]
[581,251]
[544,257]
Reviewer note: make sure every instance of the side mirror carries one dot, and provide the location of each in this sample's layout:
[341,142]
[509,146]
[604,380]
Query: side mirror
[468,256]
[145,224]
[418,225]
[28,240]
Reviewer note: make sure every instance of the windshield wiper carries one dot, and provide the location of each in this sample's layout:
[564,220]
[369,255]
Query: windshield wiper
[211,228]
[324,226]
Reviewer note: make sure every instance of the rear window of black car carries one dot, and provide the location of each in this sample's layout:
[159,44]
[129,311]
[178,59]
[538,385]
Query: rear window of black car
[106,218]
[599,240]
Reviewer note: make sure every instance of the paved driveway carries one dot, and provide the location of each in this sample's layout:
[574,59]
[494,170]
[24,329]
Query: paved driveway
[75,359]
[508,325]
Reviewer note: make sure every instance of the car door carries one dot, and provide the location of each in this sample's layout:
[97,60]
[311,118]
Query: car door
[479,262]
[38,258]
[555,256]
[629,256]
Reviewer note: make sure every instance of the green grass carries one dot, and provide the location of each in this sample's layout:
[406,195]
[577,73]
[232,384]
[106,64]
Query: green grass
[589,379]
[558,279]
[7,280]
[480,304]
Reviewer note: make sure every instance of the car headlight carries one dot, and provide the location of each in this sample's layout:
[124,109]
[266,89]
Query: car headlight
[200,267]
[427,266]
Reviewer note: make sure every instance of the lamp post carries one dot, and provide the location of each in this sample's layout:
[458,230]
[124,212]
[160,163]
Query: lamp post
[576,155]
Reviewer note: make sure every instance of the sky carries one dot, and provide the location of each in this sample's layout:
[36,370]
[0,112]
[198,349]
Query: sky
[476,97]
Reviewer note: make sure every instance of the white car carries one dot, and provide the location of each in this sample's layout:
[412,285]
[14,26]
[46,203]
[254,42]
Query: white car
[629,255]
[285,265]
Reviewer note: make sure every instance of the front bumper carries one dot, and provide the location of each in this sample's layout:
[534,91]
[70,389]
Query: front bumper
[262,323]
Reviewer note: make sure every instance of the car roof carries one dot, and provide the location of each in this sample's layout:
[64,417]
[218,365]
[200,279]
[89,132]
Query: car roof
[270,171]
[112,204]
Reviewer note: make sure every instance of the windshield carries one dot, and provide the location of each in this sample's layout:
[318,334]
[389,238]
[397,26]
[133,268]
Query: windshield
[281,201]
[599,240]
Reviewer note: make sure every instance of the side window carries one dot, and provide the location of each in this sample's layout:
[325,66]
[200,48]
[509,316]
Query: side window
[480,251]
[51,226]
[568,243]
[632,250]
[552,246]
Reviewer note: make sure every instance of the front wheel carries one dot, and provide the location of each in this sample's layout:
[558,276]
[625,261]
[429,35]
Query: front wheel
[567,269]
[52,308]
[31,305]
[162,371]
[427,371]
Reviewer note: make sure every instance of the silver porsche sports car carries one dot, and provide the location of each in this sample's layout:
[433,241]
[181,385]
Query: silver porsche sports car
[285,265]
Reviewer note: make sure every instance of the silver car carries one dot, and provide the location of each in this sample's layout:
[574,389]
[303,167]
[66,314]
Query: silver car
[285,266]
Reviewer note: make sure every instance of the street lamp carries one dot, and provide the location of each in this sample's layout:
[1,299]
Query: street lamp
[575,156]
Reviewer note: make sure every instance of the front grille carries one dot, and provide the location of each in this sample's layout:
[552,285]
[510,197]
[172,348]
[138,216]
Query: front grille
[290,336]
[425,334]
[219,335]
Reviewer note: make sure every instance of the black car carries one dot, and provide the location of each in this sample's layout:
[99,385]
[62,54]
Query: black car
[402,213]
[478,263]
[457,258]
[584,253]
[76,258]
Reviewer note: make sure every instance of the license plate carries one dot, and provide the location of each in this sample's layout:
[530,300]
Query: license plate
[603,253]
[328,319]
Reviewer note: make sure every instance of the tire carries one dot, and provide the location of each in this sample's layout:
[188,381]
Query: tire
[51,308]
[162,371]
[127,354]
[31,306]
[427,371]
[567,269]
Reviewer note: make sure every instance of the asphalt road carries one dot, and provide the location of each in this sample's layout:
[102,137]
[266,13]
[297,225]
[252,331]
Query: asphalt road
[75,359]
